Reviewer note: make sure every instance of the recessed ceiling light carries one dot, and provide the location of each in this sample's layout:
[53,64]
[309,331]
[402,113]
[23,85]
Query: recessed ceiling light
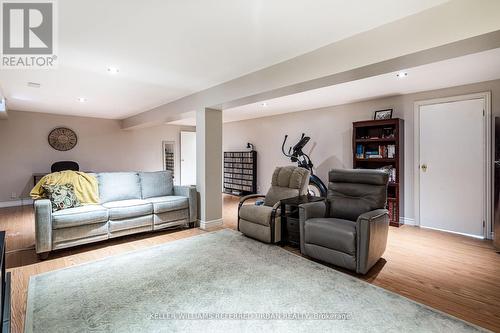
[264,105]
[34,84]
[82,99]
[113,70]
[402,75]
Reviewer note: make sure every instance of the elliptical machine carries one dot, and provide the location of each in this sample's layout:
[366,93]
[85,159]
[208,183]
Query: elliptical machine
[316,186]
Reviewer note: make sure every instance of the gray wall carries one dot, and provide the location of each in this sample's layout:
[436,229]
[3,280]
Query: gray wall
[331,133]
[102,146]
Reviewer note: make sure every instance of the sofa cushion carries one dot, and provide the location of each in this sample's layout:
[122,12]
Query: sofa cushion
[116,186]
[156,184]
[128,208]
[170,217]
[86,233]
[168,203]
[256,214]
[71,217]
[354,192]
[277,193]
[332,233]
[131,223]
[290,176]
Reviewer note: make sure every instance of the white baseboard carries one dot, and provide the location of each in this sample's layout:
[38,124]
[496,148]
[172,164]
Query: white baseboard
[210,224]
[454,232]
[14,203]
[407,220]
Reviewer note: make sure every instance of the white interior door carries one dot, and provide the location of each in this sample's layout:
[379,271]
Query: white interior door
[452,166]
[188,158]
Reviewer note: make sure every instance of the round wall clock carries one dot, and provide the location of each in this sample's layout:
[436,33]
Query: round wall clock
[62,139]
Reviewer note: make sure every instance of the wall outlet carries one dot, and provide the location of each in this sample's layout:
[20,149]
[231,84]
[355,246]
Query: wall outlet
[13,195]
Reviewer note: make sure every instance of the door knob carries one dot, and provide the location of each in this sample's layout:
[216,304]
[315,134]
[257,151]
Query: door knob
[424,167]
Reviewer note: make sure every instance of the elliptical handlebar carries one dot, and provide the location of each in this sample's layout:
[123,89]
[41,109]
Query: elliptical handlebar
[303,160]
[283,147]
[296,154]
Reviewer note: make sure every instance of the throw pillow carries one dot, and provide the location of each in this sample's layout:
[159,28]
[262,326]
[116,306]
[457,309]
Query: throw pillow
[61,196]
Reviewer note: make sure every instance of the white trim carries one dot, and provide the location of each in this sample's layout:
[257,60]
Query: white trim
[453,232]
[486,96]
[210,224]
[407,221]
[15,203]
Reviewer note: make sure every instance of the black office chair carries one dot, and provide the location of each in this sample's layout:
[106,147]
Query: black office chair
[64,165]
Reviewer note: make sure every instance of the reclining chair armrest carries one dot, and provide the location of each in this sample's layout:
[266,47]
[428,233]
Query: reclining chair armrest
[308,211]
[250,196]
[372,229]
[192,195]
[242,201]
[43,225]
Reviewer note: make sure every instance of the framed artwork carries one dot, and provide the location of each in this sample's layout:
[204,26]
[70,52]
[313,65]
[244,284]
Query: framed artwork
[383,114]
[62,139]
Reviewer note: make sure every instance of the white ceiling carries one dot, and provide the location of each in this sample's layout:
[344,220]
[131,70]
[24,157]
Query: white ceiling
[167,49]
[472,68]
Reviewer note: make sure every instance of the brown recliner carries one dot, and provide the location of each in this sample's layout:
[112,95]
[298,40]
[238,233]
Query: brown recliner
[263,222]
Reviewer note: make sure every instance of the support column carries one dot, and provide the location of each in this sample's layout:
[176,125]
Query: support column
[209,166]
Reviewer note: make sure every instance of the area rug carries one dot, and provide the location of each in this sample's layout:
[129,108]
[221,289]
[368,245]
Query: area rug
[220,281]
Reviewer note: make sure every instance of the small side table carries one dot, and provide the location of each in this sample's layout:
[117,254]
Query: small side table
[37,177]
[290,229]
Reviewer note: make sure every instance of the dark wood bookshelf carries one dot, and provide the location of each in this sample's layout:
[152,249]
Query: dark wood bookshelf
[240,172]
[380,160]
[375,140]
[383,139]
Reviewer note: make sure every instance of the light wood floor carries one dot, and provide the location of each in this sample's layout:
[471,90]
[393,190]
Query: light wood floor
[452,273]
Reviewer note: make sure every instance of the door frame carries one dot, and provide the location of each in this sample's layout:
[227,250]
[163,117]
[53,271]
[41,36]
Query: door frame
[180,154]
[488,167]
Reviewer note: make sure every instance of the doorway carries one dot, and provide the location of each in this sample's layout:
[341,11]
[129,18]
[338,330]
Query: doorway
[453,175]
[188,158]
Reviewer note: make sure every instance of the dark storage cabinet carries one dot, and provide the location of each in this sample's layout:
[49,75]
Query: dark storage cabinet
[289,210]
[240,172]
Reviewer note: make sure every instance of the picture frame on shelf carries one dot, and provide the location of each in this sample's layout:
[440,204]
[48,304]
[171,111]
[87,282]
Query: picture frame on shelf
[383,114]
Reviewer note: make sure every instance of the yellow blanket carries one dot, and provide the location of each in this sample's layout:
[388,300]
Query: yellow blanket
[85,185]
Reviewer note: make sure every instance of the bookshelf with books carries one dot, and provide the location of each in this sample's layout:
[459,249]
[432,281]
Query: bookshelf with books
[240,172]
[169,156]
[379,144]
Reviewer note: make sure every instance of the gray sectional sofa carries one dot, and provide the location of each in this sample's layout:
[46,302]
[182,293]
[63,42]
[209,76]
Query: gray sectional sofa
[130,202]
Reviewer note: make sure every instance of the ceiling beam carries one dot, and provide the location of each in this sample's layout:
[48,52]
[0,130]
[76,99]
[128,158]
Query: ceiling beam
[433,35]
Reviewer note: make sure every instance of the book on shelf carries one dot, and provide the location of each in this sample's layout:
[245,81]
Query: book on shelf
[360,151]
[391,171]
[392,175]
[381,151]
[393,210]
[391,151]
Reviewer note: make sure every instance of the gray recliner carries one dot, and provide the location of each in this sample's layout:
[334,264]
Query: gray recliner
[350,228]
[263,222]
